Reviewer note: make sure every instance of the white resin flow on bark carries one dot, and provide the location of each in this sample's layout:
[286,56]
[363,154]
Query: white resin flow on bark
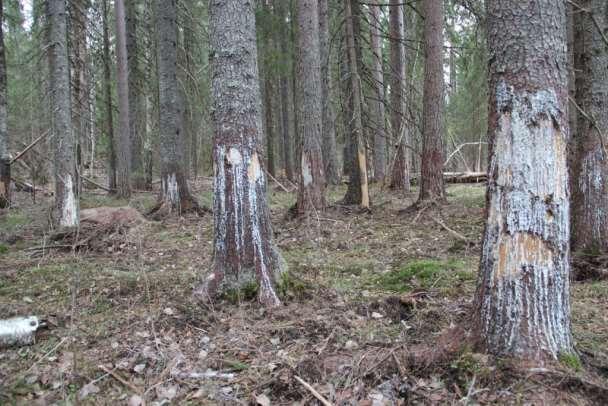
[69,208]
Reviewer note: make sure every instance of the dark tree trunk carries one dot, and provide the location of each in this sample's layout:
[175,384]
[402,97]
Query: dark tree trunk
[378,121]
[135,97]
[590,185]
[522,305]
[400,171]
[311,185]
[244,251]
[174,193]
[431,168]
[66,195]
[107,86]
[5,158]
[357,192]
[330,156]
[268,112]
[122,145]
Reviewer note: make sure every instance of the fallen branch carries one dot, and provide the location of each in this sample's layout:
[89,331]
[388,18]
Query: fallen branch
[124,382]
[277,182]
[32,144]
[448,229]
[107,189]
[312,390]
[208,374]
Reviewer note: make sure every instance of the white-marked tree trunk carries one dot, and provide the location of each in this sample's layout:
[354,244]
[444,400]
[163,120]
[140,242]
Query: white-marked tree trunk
[244,251]
[5,167]
[66,182]
[311,186]
[522,305]
[590,183]
[378,123]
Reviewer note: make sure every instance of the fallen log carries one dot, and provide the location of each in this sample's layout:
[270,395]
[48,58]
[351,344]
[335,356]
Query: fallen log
[458,177]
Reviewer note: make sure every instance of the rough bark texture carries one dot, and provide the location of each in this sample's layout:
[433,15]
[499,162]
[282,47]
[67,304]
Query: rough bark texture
[330,156]
[174,193]
[66,181]
[244,251]
[122,143]
[590,185]
[107,89]
[357,192]
[522,305]
[378,102]
[400,172]
[431,166]
[5,167]
[311,185]
[135,97]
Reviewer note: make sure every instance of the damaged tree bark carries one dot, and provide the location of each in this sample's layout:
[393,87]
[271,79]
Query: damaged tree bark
[245,255]
[522,306]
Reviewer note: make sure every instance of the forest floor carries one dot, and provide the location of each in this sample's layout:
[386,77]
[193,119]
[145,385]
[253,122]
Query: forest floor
[369,300]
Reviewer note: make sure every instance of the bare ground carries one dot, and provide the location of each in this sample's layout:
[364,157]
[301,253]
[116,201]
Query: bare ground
[368,303]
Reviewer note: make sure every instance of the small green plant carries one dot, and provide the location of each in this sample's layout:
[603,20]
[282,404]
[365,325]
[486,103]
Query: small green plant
[3,249]
[422,273]
[292,287]
[246,292]
[571,360]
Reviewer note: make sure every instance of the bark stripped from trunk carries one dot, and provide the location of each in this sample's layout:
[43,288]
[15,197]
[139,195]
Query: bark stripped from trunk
[66,198]
[311,187]
[522,303]
[431,167]
[378,104]
[244,251]
[590,183]
[5,167]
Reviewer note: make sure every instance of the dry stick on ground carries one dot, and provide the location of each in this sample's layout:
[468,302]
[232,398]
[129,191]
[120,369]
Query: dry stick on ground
[312,390]
[124,382]
[448,229]
[276,181]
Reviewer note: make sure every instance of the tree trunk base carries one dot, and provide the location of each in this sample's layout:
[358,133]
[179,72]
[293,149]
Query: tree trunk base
[164,209]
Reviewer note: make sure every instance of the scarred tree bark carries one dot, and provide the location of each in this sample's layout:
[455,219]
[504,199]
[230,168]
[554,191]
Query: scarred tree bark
[400,172]
[122,143]
[174,192]
[5,158]
[66,210]
[311,186]
[330,157]
[590,183]
[522,305]
[244,251]
[378,103]
[431,169]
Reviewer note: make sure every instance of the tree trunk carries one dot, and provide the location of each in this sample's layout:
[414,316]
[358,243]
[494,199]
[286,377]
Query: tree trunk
[5,158]
[174,193]
[107,85]
[400,172]
[268,95]
[431,168]
[66,197]
[244,251]
[122,145]
[330,156]
[378,104]
[590,185]
[358,174]
[135,97]
[311,186]
[522,305]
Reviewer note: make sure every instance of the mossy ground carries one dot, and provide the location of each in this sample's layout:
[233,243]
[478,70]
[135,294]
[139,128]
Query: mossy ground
[363,289]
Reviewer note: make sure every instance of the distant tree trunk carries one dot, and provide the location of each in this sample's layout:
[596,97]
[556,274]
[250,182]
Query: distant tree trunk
[189,113]
[522,305]
[400,174]
[590,186]
[135,97]
[311,185]
[357,192]
[268,95]
[122,145]
[244,252]
[107,85]
[174,193]
[66,197]
[431,169]
[330,156]
[378,103]
[5,158]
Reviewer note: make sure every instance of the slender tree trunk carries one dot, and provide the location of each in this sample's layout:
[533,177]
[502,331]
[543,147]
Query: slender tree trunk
[284,91]
[400,172]
[174,193]
[590,186]
[66,181]
[431,168]
[378,103]
[358,174]
[522,305]
[244,251]
[122,146]
[107,84]
[5,158]
[311,190]
[330,156]
[268,112]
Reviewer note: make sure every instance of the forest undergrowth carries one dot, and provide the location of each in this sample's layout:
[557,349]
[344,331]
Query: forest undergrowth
[375,307]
